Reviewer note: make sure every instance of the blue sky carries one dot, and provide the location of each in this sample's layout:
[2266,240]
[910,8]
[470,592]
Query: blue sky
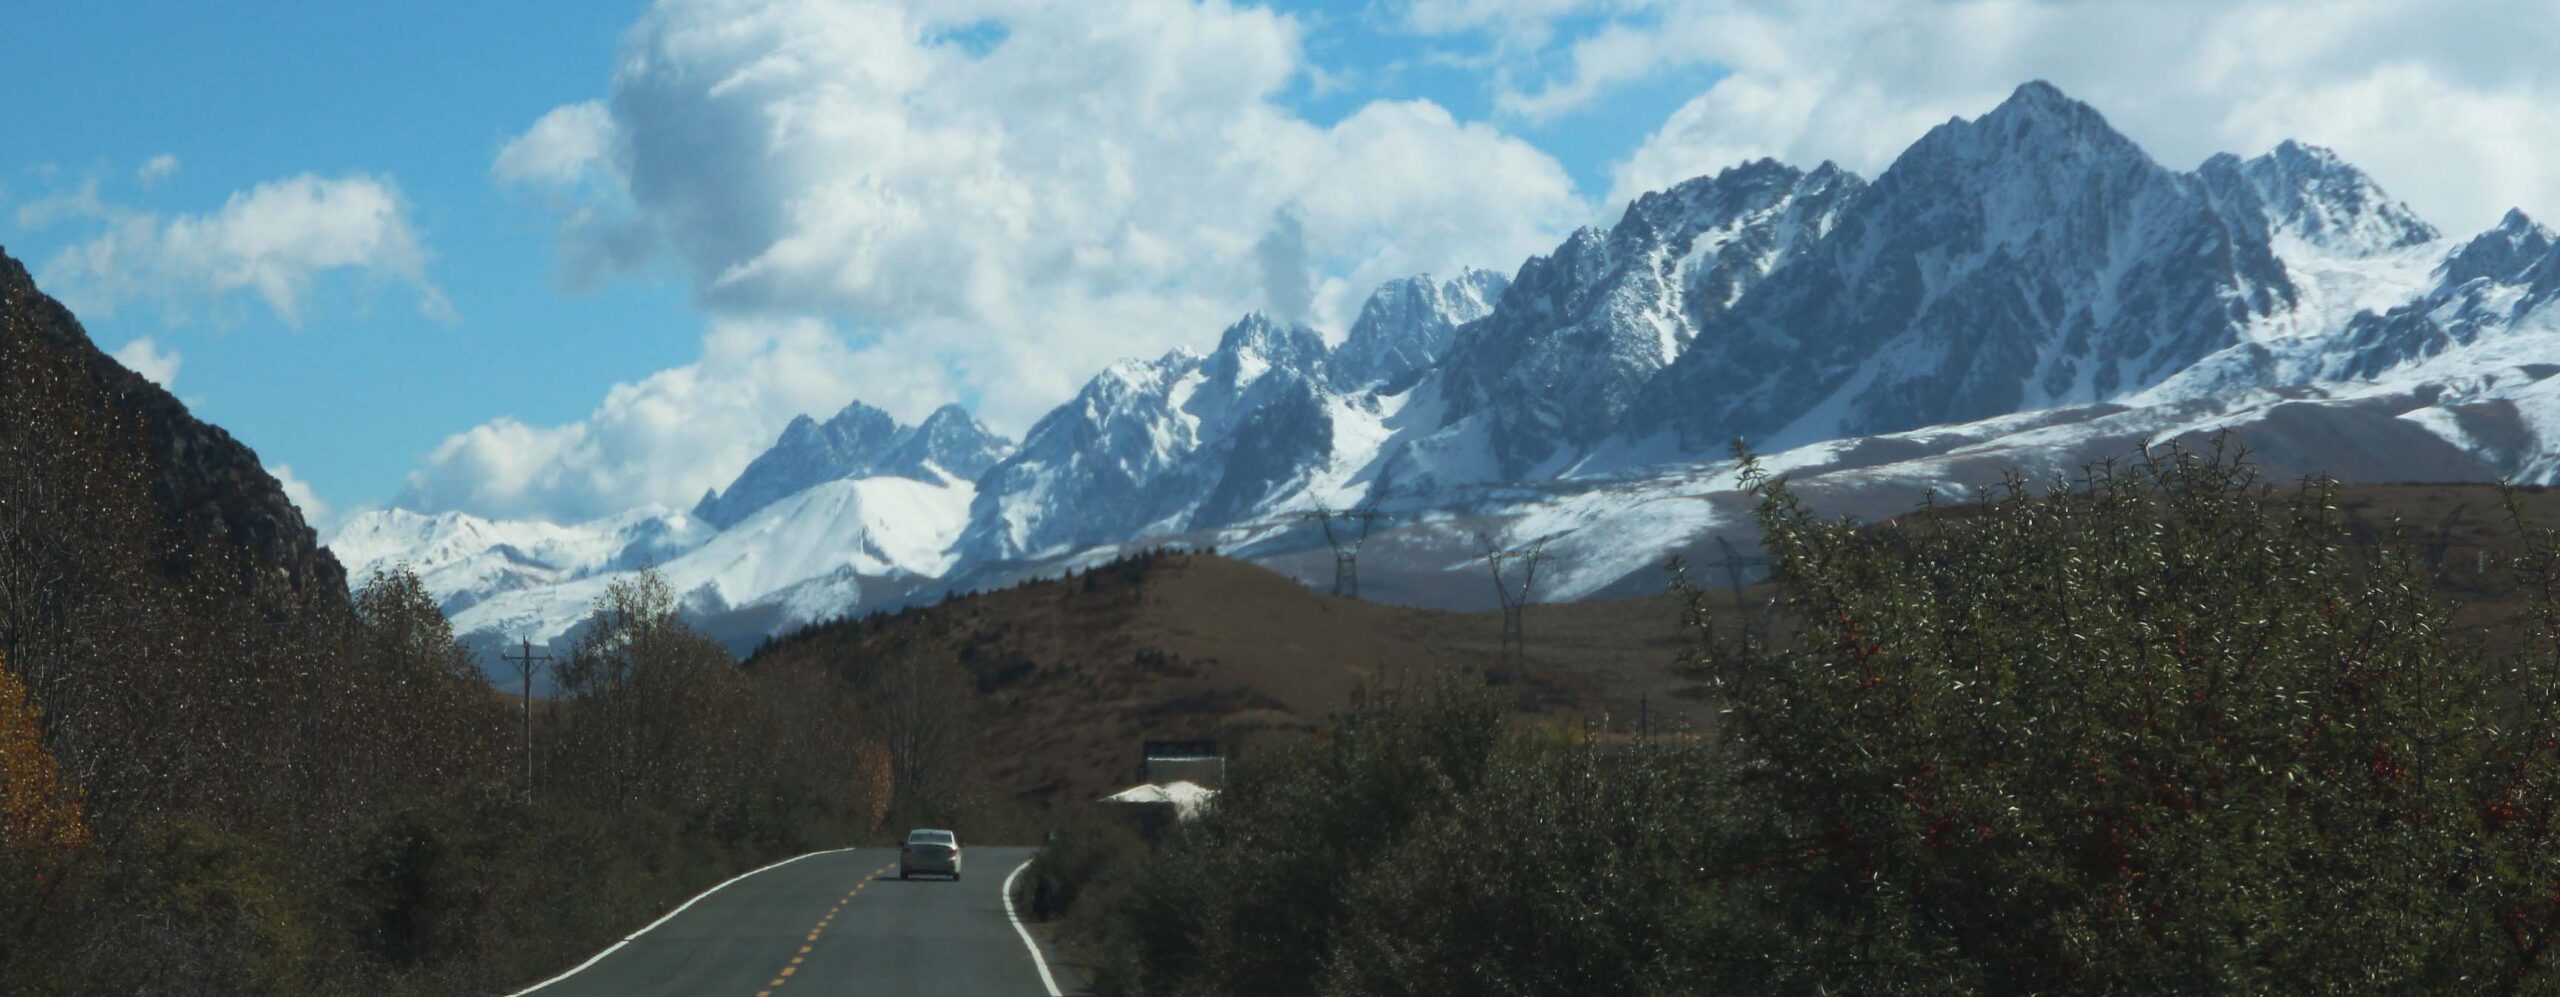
[250,93]
[443,256]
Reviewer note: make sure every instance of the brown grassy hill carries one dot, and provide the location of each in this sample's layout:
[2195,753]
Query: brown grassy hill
[1073,673]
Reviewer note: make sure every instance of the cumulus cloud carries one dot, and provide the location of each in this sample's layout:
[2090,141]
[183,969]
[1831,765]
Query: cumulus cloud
[314,511]
[147,358]
[668,437]
[1095,182]
[158,168]
[272,241]
[567,145]
[2451,106]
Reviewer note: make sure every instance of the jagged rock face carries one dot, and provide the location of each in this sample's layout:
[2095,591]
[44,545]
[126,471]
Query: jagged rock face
[2307,192]
[1139,446]
[209,488]
[2029,258]
[809,452]
[950,439]
[1272,450]
[859,442]
[2499,281]
[1406,325]
[1581,331]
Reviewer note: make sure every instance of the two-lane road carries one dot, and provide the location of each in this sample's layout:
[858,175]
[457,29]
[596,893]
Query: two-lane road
[830,923]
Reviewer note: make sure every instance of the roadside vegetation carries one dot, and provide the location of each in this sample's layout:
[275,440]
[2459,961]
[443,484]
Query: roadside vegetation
[213,784]
[2167,729]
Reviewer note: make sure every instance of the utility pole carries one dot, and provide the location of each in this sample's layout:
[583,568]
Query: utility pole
[1734,567]
[1346,545]
[524,663]
[1515,599]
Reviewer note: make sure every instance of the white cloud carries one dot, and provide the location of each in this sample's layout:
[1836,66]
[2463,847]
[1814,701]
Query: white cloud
[2451,106]
[1518,25]
[273,241]
[80,201]
[1094,185]
[570,143]
[147,358]
[160,167]
[314,511]
[668,437]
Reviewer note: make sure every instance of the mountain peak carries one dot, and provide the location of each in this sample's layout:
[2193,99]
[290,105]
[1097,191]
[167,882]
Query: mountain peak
[1407,324]
[2037,99]
[2038,125]
[2309,192]
[951,413]
[860,440]
[950,439]
[1257,331]
[1258,338]
[2501,254]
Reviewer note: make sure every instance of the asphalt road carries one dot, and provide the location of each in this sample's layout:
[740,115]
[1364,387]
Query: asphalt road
[835,923]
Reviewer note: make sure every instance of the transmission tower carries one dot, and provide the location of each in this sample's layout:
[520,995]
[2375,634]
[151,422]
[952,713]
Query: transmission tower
[525,662]
[1346,543]
[1515,597]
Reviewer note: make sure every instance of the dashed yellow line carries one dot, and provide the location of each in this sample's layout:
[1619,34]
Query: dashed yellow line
[797,960]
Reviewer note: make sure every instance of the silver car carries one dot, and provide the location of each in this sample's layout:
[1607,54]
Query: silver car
[931,851]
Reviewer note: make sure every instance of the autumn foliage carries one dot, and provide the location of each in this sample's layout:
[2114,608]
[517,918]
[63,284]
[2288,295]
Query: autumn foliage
[41,829]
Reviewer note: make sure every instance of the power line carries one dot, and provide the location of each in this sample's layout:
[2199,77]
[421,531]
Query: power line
[525,663]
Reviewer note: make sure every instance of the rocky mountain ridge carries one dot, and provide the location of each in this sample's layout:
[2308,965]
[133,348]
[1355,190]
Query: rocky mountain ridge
[210,492]
[2023,286]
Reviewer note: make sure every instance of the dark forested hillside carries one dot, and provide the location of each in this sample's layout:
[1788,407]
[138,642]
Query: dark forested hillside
[220,774]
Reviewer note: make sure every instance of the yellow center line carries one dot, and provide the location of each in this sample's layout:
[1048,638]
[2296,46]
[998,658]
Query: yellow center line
[798,960]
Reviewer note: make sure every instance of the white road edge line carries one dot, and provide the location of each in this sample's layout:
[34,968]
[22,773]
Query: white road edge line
[1037,959]
[670,915]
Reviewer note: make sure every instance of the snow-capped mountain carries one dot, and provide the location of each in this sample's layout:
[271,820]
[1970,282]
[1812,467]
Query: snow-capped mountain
[2307,193]
[1141,445]
[2025,289]
[2030,258]
[838,543]
[1405,326]
[1582,330]
[465,559]
[859,442]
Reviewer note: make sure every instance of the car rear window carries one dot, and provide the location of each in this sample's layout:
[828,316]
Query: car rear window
[931,838]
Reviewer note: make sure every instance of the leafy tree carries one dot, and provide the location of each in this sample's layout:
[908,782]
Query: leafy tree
[2166,730]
